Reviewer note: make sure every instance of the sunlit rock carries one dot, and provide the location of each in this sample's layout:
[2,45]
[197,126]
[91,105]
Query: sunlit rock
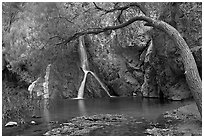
[36,88]
[11,124]
[33,122]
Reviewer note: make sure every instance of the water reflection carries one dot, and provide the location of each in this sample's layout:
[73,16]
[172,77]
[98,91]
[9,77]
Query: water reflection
[60,110]
[64,110]
[46,113]
[82,107]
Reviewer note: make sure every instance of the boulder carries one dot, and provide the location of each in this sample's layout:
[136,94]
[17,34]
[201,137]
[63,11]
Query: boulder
[33,122]
[121,88]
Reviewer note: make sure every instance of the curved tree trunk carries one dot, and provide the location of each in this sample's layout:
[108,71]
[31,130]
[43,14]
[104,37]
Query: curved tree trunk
[191,71]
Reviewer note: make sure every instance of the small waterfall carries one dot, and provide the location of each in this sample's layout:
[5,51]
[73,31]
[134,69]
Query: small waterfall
[46,83]
[84,59]
[86,70]
[102,85]
[81,88]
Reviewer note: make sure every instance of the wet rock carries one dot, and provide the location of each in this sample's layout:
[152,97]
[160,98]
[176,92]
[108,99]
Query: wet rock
[33,122]
[11,124]
[157,131]
[36,88]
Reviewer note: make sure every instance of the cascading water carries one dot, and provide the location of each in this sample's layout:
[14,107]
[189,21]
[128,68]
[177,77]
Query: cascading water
[81,88]
[86,70]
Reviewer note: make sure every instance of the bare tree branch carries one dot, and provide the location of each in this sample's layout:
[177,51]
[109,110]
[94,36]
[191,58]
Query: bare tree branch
[99,8]
[62,17]
[96,31]
[56,36]
[133,4]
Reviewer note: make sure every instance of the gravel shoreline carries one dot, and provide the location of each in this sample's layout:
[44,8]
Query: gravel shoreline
[184,121]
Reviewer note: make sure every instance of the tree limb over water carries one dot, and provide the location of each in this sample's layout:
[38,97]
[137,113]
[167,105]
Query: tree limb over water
[96,31]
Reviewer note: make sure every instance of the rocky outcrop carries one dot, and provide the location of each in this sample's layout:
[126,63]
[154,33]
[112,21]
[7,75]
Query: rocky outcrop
[117,66]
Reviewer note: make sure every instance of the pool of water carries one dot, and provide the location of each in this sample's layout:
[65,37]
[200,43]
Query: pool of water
[64,110]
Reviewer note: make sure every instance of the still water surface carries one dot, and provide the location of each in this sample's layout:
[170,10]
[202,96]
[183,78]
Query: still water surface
[64,110]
